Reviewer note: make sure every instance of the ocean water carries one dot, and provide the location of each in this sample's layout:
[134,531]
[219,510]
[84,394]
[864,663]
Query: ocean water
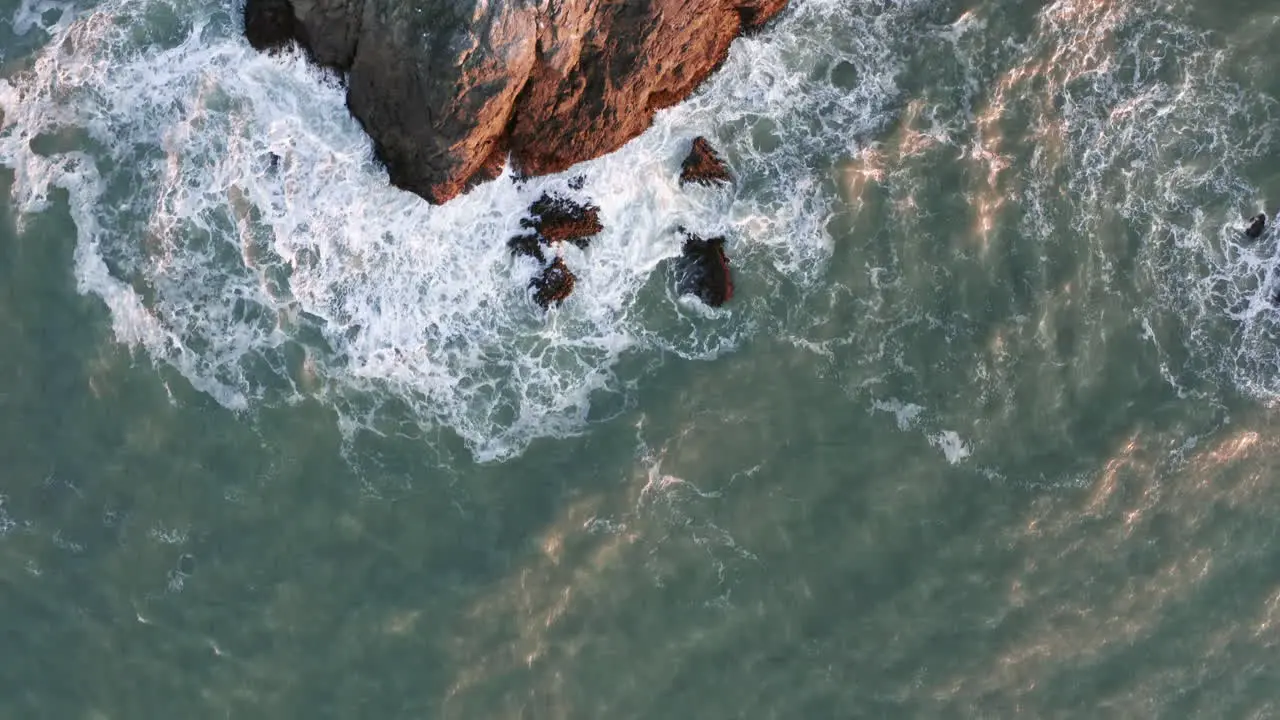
[987,430]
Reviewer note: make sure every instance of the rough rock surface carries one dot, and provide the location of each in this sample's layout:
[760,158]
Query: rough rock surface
[705,270]
[703,165]
[553,284]
[446,88]
[556,219]
[559,219]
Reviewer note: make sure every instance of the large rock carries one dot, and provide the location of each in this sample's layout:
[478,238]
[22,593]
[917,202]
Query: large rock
[704,270]
[446,88]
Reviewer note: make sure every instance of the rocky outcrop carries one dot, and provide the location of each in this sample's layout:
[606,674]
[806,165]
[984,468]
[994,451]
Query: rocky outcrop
[559,219]
[703,166]
[553,284]
[556,219]
[447,88]
[704,270]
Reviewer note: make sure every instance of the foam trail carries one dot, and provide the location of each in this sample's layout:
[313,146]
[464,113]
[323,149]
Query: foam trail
[264,283]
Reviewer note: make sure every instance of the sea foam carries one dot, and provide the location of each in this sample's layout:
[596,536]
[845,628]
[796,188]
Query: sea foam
[266,281]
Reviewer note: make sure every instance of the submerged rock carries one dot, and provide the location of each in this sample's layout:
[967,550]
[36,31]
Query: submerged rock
[704,270]
[1256,225]
[447,88]
[553,284]
[703,165]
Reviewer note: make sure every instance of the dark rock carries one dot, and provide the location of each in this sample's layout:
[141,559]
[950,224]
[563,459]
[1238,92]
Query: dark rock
[559,219]
[703,165]
[553,284]
[270,25]
[447,88]
[529,245]
[556,219]
[1256,225]
[577,182]
[704,270]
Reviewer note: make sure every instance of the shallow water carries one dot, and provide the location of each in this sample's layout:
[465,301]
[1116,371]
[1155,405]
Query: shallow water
[986,430]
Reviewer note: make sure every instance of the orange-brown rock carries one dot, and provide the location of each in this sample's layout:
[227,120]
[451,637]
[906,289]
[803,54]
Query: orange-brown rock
[553,284]
[559,219]
[447,88]
[556,219]
[703,165]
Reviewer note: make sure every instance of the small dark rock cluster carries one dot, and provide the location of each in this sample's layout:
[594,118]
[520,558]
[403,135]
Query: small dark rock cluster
[559,219]
[702,269]
[555,219]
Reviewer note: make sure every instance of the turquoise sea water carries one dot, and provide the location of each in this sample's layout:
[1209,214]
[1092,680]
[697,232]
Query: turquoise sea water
[986,431]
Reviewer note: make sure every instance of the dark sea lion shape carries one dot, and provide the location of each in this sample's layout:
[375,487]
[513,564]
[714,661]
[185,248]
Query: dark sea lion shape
[529,245]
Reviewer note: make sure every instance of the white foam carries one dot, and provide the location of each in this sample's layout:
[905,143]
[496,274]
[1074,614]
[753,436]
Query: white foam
[1159,137]
[953,447]
[7,523]
[905,413]
[1122,139]
[47,15]
[318,279]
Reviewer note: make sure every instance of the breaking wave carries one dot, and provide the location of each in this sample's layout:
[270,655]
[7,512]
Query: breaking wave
[1104,152]
[264,282]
